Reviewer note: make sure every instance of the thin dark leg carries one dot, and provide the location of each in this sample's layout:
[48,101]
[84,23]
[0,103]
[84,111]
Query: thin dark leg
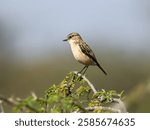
[85,70]
[82,69]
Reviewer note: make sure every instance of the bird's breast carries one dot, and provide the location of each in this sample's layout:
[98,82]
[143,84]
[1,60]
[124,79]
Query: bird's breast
[79,55]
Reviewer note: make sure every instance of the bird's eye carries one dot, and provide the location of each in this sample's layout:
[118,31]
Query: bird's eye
[70,37]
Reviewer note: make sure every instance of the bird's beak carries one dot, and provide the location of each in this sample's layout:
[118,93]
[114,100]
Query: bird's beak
[65,40]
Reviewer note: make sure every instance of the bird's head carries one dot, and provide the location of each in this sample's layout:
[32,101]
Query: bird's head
[73,37]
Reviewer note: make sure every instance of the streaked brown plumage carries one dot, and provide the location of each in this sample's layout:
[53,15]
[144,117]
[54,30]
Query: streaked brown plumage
[82,52]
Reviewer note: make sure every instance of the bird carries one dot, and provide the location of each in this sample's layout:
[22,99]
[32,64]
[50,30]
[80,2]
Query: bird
[82,52]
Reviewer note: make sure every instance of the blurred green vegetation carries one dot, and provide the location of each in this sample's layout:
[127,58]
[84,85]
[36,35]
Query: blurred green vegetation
[73,94]
[124,73]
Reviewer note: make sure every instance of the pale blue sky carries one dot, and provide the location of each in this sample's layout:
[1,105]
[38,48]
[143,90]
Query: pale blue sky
[39,26]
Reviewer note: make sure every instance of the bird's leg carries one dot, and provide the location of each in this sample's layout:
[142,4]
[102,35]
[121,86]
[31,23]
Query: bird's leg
[82,70]
[85,69]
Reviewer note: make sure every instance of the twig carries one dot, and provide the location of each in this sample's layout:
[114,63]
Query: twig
[13,103]
[103,108]
[8,101]
[88,82]
[117,105]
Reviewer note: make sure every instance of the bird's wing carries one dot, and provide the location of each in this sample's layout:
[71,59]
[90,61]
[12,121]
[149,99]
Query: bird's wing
[87,51]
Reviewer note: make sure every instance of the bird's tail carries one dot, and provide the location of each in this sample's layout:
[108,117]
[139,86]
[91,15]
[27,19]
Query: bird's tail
[94,59]
[101,68]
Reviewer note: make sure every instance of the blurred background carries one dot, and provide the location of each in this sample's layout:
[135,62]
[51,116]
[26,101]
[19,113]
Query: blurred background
[33,55]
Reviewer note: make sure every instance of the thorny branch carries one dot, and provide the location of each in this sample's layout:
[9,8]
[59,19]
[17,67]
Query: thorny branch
[116,106]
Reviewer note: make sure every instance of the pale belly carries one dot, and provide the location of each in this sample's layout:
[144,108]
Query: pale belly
[80,56]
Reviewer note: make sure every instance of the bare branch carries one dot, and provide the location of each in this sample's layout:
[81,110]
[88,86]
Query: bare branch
[88,82]
[117,105]
[12,102]
[103,108]
[9,101]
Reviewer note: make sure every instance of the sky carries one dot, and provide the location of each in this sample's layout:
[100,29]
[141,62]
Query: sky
[37,27]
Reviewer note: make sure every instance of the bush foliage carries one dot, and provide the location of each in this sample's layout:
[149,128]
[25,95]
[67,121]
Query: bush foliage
[73,94]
